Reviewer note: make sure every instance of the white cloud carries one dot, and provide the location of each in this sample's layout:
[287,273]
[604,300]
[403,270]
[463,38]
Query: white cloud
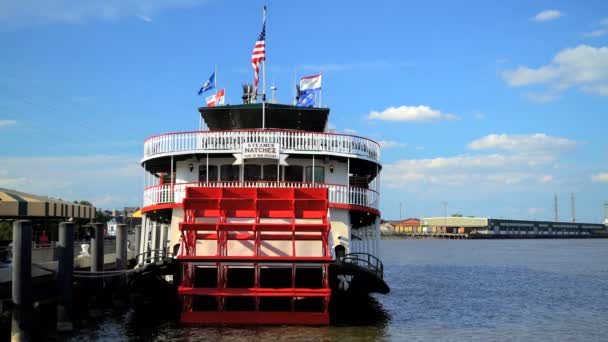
[584,67]
[521,162]
[15,14]
[538,142]
[547,15]
[391,143]
[350,131]
[4,123]
[411,113]
[546,179]
[541,98]
[601,177]
[595,33]
[479,115]
[599,32]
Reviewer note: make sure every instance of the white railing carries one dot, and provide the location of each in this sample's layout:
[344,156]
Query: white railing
[338,194]
[290,142]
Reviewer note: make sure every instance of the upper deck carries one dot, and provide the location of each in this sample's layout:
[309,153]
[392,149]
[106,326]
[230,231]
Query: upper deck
[231,141]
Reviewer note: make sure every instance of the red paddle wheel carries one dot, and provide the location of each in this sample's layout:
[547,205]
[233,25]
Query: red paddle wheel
[255,256]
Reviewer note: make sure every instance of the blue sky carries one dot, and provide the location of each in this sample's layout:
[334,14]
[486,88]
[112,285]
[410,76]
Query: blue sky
[491,107]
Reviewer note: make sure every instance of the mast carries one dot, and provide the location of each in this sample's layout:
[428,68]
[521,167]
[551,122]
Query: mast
[264,72]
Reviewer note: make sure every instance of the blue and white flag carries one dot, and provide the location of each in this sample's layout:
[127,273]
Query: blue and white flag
[307,98]
[310,82]
[209,84]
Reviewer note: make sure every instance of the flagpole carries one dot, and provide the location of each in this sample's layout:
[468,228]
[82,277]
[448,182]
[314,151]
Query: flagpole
[321,90]
[264,73]
[294,87]
[217,85]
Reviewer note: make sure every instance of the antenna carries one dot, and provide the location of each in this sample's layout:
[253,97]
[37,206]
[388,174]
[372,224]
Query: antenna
[273,89]
[555,207]
[572,207]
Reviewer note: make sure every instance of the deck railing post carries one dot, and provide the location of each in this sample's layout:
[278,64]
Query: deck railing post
[22,281]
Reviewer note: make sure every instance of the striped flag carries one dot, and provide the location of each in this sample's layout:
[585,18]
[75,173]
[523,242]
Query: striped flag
[258,55]
[216,99]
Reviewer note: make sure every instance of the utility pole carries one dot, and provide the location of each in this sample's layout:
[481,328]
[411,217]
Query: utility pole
[572,207]
[555,218]
[400,210]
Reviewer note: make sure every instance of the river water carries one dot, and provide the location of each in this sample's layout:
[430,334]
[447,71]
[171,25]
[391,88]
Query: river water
[443,290]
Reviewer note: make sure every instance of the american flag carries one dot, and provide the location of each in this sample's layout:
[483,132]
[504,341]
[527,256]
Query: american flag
[258,55]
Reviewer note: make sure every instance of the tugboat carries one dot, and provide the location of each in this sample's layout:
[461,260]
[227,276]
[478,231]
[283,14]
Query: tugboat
[266,213]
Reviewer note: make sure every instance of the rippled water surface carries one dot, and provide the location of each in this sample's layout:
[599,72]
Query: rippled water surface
[444,290]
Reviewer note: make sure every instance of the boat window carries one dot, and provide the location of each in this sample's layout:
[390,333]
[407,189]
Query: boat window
[202,173]
[270,173]
[319,174]
[253,172]
[229,172]
[293,173]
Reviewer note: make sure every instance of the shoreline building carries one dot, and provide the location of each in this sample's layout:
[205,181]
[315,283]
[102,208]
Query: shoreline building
[490,227]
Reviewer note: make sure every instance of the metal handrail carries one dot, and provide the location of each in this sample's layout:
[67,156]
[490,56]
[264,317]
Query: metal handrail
[366,260]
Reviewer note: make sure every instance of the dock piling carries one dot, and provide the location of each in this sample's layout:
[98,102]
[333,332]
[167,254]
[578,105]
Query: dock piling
[121,250]
[22,281]
[97,247]
[65,273]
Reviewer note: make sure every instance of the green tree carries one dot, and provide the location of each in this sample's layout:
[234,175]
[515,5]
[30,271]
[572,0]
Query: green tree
[456,215]
[6,230]
[86,203]
[100,217]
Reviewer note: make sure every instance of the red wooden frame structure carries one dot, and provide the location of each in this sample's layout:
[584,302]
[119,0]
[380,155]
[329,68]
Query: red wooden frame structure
[267,280]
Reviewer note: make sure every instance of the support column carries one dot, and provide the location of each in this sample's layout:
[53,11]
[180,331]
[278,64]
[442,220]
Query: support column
[65,272]
[155,238]
[164,231]
[377,231]
[137,248]
[22,281]
[145,241]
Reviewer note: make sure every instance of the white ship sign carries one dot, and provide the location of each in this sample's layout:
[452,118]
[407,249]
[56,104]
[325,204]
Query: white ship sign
[261,150]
